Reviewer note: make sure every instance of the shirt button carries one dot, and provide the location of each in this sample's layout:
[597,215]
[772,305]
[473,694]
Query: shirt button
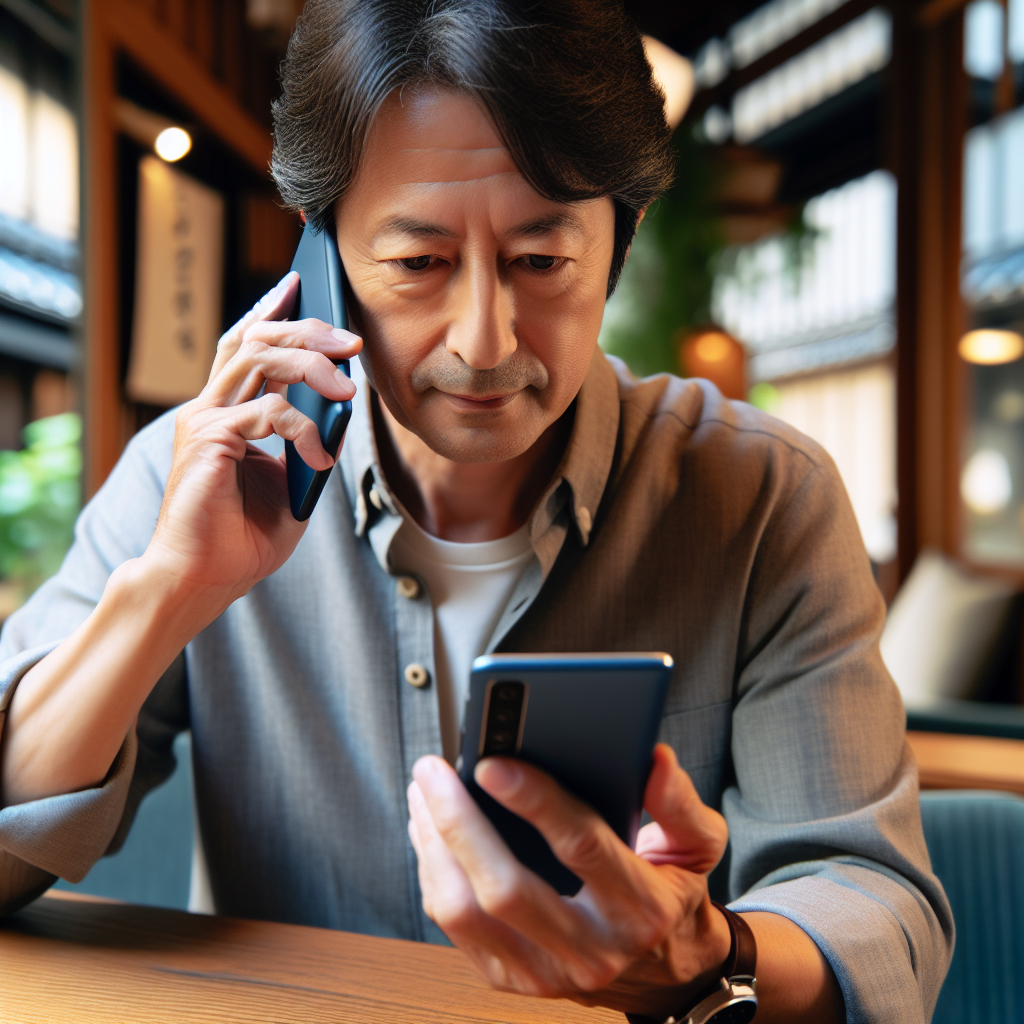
[583,518]
[416,675]
[375,499]
[408,586]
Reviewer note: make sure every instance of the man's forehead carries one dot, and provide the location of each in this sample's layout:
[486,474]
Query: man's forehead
[430,136]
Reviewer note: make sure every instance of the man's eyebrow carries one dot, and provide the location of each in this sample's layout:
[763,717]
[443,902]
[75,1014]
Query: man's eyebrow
[411,226]
[542,225]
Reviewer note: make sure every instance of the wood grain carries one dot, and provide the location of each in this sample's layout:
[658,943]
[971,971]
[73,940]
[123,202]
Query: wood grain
[86,962]
[946,761]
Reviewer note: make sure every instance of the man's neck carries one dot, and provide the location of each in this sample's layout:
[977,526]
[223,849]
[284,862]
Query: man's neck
[466,501]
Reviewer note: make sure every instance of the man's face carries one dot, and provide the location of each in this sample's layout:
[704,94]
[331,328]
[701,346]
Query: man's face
[480,301]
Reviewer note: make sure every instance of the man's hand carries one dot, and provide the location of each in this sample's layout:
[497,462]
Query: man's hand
[641,936]
[224,524]
[225,521]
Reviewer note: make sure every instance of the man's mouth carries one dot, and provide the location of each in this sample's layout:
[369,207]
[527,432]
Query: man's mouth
[480,403]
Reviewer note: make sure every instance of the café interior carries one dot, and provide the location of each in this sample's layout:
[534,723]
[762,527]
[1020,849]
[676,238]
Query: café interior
[843,247]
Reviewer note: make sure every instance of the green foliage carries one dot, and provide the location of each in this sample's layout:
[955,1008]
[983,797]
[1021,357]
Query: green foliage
[766,397]
[667,282]
[40,494]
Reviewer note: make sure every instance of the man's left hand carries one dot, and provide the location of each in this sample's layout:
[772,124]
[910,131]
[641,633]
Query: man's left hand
[641,936]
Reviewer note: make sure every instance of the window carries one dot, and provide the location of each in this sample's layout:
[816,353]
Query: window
[819,326]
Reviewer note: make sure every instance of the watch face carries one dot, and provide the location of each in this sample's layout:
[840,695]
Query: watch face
[736,1013]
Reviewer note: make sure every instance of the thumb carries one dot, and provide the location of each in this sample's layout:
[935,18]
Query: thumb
[685,831]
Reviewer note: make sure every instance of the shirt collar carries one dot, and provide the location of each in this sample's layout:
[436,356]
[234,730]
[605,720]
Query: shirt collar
[577,485]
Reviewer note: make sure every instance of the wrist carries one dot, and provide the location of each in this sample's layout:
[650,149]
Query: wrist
[154,587]
[724,993]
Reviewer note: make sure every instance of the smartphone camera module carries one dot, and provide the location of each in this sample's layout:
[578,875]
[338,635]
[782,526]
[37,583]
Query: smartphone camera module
[503,728]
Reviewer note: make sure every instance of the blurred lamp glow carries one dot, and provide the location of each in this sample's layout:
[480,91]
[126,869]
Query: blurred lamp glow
[991,347]
[713,347]
[172,144]
[985,485]
[674,73]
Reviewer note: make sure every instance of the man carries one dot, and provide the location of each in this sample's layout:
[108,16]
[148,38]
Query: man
[484,165]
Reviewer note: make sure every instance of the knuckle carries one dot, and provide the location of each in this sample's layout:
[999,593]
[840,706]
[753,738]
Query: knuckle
[582,846]
[498,893]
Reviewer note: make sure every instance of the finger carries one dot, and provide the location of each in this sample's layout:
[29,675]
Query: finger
[255,363]
[507,959]
[685,832]
[272,414]
[503,887]
[275,304]
[312,334]
[625,891]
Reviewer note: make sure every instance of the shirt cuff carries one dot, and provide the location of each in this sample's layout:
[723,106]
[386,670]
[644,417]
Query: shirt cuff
[66,834]
[872,929]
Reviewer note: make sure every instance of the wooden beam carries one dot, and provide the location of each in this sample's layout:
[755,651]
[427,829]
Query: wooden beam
[929,111]
[931,13]
[154,49]
[101,370]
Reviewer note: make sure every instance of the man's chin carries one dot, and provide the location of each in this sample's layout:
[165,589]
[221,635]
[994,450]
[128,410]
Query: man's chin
[491,443]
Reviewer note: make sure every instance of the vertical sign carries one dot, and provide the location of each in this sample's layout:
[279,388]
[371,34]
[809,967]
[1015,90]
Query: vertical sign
[178,281]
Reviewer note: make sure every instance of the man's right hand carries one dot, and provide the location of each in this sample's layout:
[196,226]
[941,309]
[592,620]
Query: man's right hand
[225,521]
[224,524]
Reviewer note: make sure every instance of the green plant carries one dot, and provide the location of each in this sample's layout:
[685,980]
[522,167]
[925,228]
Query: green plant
[667,282]
[40,495]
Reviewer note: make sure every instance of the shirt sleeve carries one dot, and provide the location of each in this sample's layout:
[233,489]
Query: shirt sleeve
[824,816]
[64,835]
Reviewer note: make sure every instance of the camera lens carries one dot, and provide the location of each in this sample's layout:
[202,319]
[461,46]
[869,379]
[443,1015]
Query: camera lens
[504,714]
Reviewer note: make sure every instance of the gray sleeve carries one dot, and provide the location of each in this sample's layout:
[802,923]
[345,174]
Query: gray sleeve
[64,835]
[824,817]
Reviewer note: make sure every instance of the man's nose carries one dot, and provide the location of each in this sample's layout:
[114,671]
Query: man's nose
[482,330]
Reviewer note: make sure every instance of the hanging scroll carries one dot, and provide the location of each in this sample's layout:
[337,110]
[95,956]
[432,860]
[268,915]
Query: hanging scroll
[178,284]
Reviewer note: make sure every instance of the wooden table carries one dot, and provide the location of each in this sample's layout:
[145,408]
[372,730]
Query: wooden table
[84,961]
[948,761]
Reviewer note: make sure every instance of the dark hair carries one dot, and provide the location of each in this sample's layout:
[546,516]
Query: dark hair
[566,83]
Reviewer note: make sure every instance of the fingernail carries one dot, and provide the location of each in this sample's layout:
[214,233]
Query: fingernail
[341,335]
[341,377]
[498,777]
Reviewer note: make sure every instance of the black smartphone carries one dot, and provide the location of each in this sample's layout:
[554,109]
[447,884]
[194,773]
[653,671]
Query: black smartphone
[321,295]
[589,720]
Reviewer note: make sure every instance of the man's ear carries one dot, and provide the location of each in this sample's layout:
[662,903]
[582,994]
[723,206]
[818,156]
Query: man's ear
[639,218]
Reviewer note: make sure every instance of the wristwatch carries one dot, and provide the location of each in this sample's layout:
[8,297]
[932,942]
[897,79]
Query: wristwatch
[732,999]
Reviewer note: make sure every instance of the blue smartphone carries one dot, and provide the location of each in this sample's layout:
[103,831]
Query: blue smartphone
[321,295]
[589,720]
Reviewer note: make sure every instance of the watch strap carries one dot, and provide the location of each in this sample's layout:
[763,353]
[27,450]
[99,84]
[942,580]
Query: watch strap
[742,959]
[740,963]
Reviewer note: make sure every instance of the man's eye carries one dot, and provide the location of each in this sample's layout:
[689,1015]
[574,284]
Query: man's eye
[541,262]
[415,262]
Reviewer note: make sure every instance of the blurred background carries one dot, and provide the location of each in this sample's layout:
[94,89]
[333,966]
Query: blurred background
[843,247]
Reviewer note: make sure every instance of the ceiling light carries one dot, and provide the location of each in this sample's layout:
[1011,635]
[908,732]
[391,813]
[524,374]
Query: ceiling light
[990,347]
[172,144]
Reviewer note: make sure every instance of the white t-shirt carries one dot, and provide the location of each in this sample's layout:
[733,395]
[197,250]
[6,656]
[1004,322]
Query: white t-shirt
[469,586]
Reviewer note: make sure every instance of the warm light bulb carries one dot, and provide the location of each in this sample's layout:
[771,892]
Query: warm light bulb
[172,144]
[990,347]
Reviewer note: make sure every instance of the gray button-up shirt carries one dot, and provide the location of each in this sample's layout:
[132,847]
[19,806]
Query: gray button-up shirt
[677,521]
